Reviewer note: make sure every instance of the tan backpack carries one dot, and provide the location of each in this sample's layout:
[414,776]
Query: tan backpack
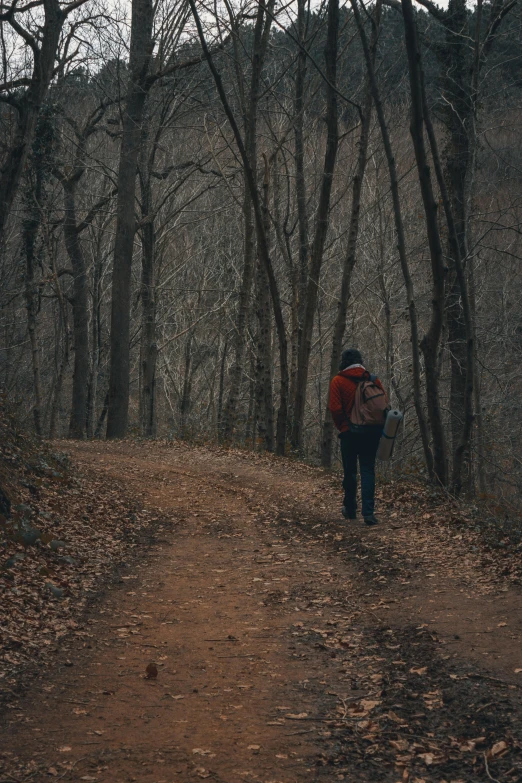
[370,404]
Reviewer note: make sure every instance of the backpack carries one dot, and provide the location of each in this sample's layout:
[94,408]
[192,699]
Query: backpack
[370,404]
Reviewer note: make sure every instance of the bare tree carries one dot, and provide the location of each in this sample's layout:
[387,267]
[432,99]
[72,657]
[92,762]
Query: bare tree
[249,101]
[353,233]
[140,54]
[401,244]
[262,242]
[321,226]
[70,178]
[24,92]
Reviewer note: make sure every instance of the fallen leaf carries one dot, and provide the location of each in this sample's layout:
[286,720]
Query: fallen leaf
[296,716]
[400,745]
[368,704]
[420,671]
[497,749]
[254,747]
[393,716]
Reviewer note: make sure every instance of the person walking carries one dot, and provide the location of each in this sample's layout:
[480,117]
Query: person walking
[359,416]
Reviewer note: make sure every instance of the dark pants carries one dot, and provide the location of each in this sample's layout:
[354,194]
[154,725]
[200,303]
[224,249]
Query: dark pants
[363,445]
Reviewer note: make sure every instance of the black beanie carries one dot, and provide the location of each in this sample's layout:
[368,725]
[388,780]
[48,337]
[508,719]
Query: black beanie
[350,356]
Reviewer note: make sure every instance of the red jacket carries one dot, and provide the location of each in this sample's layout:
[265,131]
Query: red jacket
[342,395]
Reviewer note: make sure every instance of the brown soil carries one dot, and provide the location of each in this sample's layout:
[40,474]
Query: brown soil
[290,645]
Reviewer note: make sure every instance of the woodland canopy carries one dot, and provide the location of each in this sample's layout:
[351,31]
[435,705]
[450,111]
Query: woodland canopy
[201,204]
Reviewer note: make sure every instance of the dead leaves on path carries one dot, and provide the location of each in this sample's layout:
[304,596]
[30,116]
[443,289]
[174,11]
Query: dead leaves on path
[83,526]
[470,541]
[415,718]
[402,708]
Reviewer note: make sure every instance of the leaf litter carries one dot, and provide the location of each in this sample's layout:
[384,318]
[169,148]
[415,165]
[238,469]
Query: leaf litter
[86,528]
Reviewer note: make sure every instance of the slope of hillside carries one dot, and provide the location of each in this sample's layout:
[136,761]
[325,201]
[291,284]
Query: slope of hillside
[62,537]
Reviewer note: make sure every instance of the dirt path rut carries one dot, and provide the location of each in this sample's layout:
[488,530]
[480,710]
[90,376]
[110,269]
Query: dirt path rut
[288,646]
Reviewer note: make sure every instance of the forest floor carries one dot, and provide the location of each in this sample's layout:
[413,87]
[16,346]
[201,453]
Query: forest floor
[290,645]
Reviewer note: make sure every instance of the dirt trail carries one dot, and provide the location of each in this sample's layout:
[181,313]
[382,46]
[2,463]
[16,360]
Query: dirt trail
[289,646]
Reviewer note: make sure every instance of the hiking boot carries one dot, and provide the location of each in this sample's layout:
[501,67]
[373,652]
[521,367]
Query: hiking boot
[346,515]
[371,520]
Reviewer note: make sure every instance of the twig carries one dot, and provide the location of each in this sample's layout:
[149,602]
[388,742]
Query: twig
[71,768]
[246,655]
[488,773]
[74,701]
[495,679]
[221,640]
[313,720]
[295,733]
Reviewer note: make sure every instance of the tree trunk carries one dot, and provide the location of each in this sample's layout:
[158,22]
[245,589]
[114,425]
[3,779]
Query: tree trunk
[262,242]
[139,58]
[261,32]
[401,241]
[250,429]
[57,396]
[78,420]
[221,389]
[101,419]
[316,256]
[32,305]
[350,259]
[264,406]
[230,414]
[300,184]
[148,348]
[460,86]
[30,230]
[96,343]
[479,423]
[264,403]
[431,341]
[148,344]
[64,359]
[184,403]
[28,107]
